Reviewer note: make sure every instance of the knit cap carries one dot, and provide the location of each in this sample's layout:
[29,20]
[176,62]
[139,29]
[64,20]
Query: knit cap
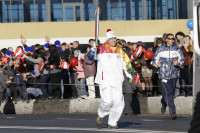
[47,46]
[57,43]
[110,34]
[8,53]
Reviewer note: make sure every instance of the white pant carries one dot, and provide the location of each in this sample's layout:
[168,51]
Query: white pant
[91,88]
[112,103]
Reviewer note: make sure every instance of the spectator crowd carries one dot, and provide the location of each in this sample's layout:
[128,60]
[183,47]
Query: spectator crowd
[46,72]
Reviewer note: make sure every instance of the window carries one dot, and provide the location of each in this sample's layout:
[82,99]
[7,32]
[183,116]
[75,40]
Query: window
[104,11]
[71,1]
[11,11]
[32,12]
[136,10]
[6,11]
[56,10]
[16,11]
[161,9]
[78,13]
[40,10]
[164,9]
[123,9]
[172,9]
[115,10]
[183,9]
[151,9]
[83,10]
[69,13]
[28,10]
[88,10]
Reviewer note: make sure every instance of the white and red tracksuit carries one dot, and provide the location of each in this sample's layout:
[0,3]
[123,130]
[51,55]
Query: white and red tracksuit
[110,67]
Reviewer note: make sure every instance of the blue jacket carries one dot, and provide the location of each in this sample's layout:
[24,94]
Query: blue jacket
[166,56]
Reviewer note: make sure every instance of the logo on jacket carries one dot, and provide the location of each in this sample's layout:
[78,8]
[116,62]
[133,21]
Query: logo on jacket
[118,56]
[174,54]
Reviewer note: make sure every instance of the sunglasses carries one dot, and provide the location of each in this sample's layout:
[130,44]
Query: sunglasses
[171,39]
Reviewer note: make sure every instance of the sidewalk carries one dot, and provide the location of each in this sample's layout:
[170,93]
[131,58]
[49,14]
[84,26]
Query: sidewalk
[146,105]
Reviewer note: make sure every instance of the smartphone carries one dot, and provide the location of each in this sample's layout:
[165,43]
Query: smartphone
[182,41]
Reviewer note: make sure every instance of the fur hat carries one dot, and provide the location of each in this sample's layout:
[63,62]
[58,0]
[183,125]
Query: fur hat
[77,52]
[110,34]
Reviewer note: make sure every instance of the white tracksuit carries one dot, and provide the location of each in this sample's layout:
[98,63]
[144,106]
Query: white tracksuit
[110,76]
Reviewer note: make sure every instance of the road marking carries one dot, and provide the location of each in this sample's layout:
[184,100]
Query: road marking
[150,120]
[71,119]
[86,129]
[10,117]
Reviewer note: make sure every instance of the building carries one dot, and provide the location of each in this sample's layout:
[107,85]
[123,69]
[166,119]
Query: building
[69,20]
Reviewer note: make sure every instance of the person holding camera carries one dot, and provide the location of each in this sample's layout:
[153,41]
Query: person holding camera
[184,71]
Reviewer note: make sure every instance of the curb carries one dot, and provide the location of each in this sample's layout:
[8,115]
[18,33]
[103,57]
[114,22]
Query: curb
[146,105]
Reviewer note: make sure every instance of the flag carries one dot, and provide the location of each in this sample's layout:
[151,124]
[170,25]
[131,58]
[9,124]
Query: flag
[18,53]
[4,59]
[132,58]
[52,66]
[137,79]
[41,66]
[65,65]
[138,51]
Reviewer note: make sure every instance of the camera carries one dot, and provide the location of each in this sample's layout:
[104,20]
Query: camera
[182,41]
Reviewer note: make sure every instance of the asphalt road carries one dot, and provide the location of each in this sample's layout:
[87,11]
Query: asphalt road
[86,123]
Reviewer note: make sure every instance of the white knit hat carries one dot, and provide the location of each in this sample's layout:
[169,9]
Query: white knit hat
[110,34]
[77,52]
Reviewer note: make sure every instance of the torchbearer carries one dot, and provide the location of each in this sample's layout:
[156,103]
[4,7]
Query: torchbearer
[111,62]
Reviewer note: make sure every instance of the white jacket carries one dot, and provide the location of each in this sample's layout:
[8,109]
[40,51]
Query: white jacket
[110,66]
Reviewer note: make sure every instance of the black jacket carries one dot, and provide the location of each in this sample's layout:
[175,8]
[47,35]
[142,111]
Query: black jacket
[54,59]
[33,82]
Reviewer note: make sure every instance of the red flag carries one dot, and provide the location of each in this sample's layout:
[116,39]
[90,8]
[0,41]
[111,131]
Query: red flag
[138,51]
[65,65]
[4,59]
[41,66]
[52,66]
[18,53]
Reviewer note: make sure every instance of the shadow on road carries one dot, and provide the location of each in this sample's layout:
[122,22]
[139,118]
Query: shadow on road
[127,124]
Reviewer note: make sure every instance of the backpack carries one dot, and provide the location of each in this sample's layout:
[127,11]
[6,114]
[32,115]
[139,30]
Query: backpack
[9,107]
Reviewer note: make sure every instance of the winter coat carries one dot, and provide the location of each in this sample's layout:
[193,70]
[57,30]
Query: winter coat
[127,86]
[3,78]
[166,56]
[36,65]
[80,70]
[111,64]
[9,71]
[64,55]
[54,60]
[33,82]
[89,67]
